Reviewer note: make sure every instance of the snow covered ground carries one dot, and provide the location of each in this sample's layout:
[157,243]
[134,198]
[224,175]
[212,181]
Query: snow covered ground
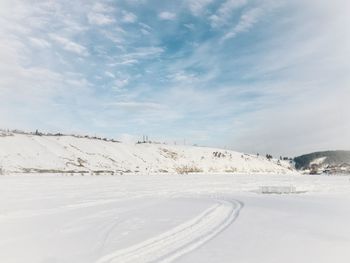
[173,218]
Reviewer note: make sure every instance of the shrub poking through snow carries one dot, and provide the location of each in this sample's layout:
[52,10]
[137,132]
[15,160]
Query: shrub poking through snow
[187,169]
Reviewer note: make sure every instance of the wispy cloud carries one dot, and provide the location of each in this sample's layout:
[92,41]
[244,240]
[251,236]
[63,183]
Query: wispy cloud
[198,7]
[165,15]
[69,45]
[224,13]
[100,14]
[246,21]
[182,76]
[129,17]
[144,52]
[100,19]
[126,61]
[120,83]
[139,106]
[39,42]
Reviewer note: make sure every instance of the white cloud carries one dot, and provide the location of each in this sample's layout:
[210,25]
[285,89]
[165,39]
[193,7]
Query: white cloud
[190,26]
[135,105]
[69,45]
[145,26]
[167,16]
[110,74]
[148,114]
[100,14]
[247,20]
[124,62]
[116,35]
[145,29]
[143,53]
[100,7]
[224,13]
[120,83]
[100,19]
[183,76]
[129,17]
[197,7]
[39,42]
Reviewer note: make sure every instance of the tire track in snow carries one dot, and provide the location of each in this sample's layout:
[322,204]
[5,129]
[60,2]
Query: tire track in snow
[180,240]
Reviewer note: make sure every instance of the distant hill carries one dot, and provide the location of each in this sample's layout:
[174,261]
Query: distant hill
[323,160]
[57,153]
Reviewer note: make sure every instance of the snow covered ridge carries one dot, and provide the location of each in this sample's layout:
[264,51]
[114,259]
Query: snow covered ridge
[30,153]
[328,162]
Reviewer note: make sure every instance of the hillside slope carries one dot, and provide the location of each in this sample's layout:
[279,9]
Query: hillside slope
[68,154]
[336,161]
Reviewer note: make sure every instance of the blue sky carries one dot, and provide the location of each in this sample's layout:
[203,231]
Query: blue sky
[250,75]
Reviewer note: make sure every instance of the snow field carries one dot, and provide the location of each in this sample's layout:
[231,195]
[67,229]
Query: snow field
[174,218]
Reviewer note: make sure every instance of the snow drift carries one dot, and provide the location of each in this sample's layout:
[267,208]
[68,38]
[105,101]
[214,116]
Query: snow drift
[27,153]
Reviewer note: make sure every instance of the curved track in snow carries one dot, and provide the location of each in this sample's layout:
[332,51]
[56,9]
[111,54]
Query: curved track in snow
[180,240]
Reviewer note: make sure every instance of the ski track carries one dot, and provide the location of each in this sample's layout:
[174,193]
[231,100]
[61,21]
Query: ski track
[180,240]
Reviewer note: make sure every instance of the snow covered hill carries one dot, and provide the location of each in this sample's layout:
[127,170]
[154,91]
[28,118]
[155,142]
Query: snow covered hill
[331,162]
[69,154]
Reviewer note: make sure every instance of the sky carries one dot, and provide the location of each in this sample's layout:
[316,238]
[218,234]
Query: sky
[267,76]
